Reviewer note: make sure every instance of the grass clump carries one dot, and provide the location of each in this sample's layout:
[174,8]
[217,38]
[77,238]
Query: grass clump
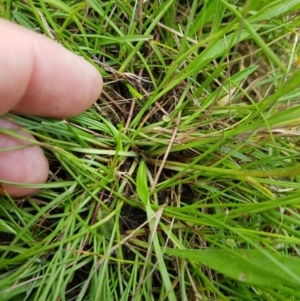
[182,181]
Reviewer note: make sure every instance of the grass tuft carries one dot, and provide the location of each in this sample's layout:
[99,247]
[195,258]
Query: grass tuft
[183,181]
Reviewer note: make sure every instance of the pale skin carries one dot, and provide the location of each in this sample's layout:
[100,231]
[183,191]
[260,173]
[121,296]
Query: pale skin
[38,77]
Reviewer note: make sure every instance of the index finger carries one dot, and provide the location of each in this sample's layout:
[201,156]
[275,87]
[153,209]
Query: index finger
[40,77]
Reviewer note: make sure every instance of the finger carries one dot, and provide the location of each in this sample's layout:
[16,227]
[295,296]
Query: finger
[25,165]
[40,77]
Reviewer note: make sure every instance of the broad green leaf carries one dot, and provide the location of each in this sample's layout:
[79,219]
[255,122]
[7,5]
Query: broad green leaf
[223,44]
[287,117]
[133,91]
[248,266]
[240,75]
[274,9]
[141,183]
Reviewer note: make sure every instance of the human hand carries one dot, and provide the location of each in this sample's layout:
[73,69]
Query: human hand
[37,77]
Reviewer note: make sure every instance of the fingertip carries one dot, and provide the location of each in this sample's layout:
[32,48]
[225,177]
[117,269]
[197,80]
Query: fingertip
[16,61]
[26,165]
[91,83]
[38,76]
[61,86]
